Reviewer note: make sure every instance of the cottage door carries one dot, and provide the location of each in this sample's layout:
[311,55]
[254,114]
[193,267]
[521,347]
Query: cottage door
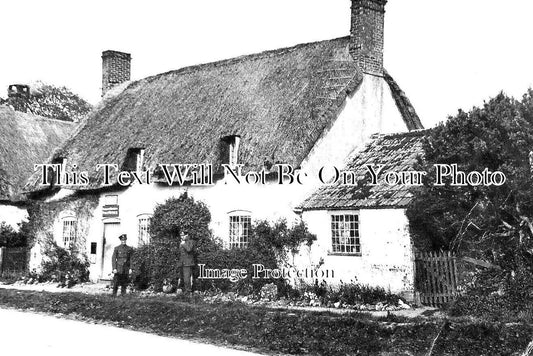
[109,241]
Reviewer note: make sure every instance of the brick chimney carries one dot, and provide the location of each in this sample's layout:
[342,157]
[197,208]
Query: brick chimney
[116,69]
[366,36]
[18,91]
[18,97]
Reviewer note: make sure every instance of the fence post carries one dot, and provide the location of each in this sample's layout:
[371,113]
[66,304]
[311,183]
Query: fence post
[2,257]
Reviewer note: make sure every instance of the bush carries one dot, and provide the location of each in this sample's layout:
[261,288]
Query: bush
[269,245]
[157,263]
[63,266]
[141,265]
[497,295]
[53,102]
[238,258]
[160,260]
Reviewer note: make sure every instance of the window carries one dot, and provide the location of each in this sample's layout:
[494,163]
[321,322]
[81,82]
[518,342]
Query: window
[230,149]
[143,229]
[239,230]
[134,160]
[345,233]
[69,231]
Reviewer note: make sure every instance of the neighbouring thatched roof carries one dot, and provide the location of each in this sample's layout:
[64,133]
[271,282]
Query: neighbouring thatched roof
[396,152]
[279,102]
[26,140]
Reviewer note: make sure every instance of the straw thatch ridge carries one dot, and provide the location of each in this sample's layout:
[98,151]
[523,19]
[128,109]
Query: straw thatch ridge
[279,102]
[396,152]
[26,140]
[404,104]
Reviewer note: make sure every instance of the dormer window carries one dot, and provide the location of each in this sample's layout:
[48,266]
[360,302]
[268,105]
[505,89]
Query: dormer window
[134,160]
[232,142]
[54,173]
[60,160]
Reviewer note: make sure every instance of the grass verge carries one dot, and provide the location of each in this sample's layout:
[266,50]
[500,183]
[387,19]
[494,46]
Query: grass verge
[275,331]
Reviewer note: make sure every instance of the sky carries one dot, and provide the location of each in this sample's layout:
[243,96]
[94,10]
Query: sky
[445,54]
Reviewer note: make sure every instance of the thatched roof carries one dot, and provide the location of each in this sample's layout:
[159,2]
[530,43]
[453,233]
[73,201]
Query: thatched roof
[279,103]
[403,104]
[396,152]
[26,140]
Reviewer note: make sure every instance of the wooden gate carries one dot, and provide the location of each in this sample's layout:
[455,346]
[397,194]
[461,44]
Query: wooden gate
[13,261]
[436,277]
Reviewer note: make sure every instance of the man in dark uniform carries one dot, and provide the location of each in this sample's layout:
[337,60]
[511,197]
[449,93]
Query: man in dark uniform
[121,260]
[187,260]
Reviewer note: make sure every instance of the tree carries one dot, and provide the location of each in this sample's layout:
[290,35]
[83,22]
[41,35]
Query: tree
[486,221]
[11,238]
[52,102]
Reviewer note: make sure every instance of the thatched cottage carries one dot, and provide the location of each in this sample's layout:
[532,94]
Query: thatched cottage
[306,106]
[25,140]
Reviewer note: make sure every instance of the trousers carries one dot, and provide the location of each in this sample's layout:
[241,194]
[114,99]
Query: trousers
[186,273]
[122,280]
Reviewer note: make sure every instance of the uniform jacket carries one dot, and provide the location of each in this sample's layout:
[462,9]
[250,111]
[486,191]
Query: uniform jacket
[187,253]
[121,258]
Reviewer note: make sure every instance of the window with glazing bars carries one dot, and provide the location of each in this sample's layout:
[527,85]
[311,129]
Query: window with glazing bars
[239,230]
[345,233]
[143,230]
[69,232]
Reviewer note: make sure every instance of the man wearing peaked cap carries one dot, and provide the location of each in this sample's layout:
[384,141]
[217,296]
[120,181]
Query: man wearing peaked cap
[121,261]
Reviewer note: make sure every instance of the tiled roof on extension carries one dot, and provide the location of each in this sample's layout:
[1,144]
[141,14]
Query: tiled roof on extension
[396,152]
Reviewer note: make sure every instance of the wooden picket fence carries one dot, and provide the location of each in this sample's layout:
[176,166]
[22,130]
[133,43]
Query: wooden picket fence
[436,277]
[13,261]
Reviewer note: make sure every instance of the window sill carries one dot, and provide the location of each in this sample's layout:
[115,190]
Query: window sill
[357,254]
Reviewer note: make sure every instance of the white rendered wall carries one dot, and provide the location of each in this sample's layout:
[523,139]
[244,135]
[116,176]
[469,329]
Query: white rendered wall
[371,109]
[386,251]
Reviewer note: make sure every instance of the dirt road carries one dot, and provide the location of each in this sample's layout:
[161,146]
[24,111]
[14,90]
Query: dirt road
[23,333]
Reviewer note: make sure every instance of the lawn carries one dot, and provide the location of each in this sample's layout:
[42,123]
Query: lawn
[281,331]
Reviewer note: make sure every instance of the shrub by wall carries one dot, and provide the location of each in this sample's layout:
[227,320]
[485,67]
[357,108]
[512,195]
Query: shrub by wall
[66,267]
[156,264]
[269,245]
[160,259]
